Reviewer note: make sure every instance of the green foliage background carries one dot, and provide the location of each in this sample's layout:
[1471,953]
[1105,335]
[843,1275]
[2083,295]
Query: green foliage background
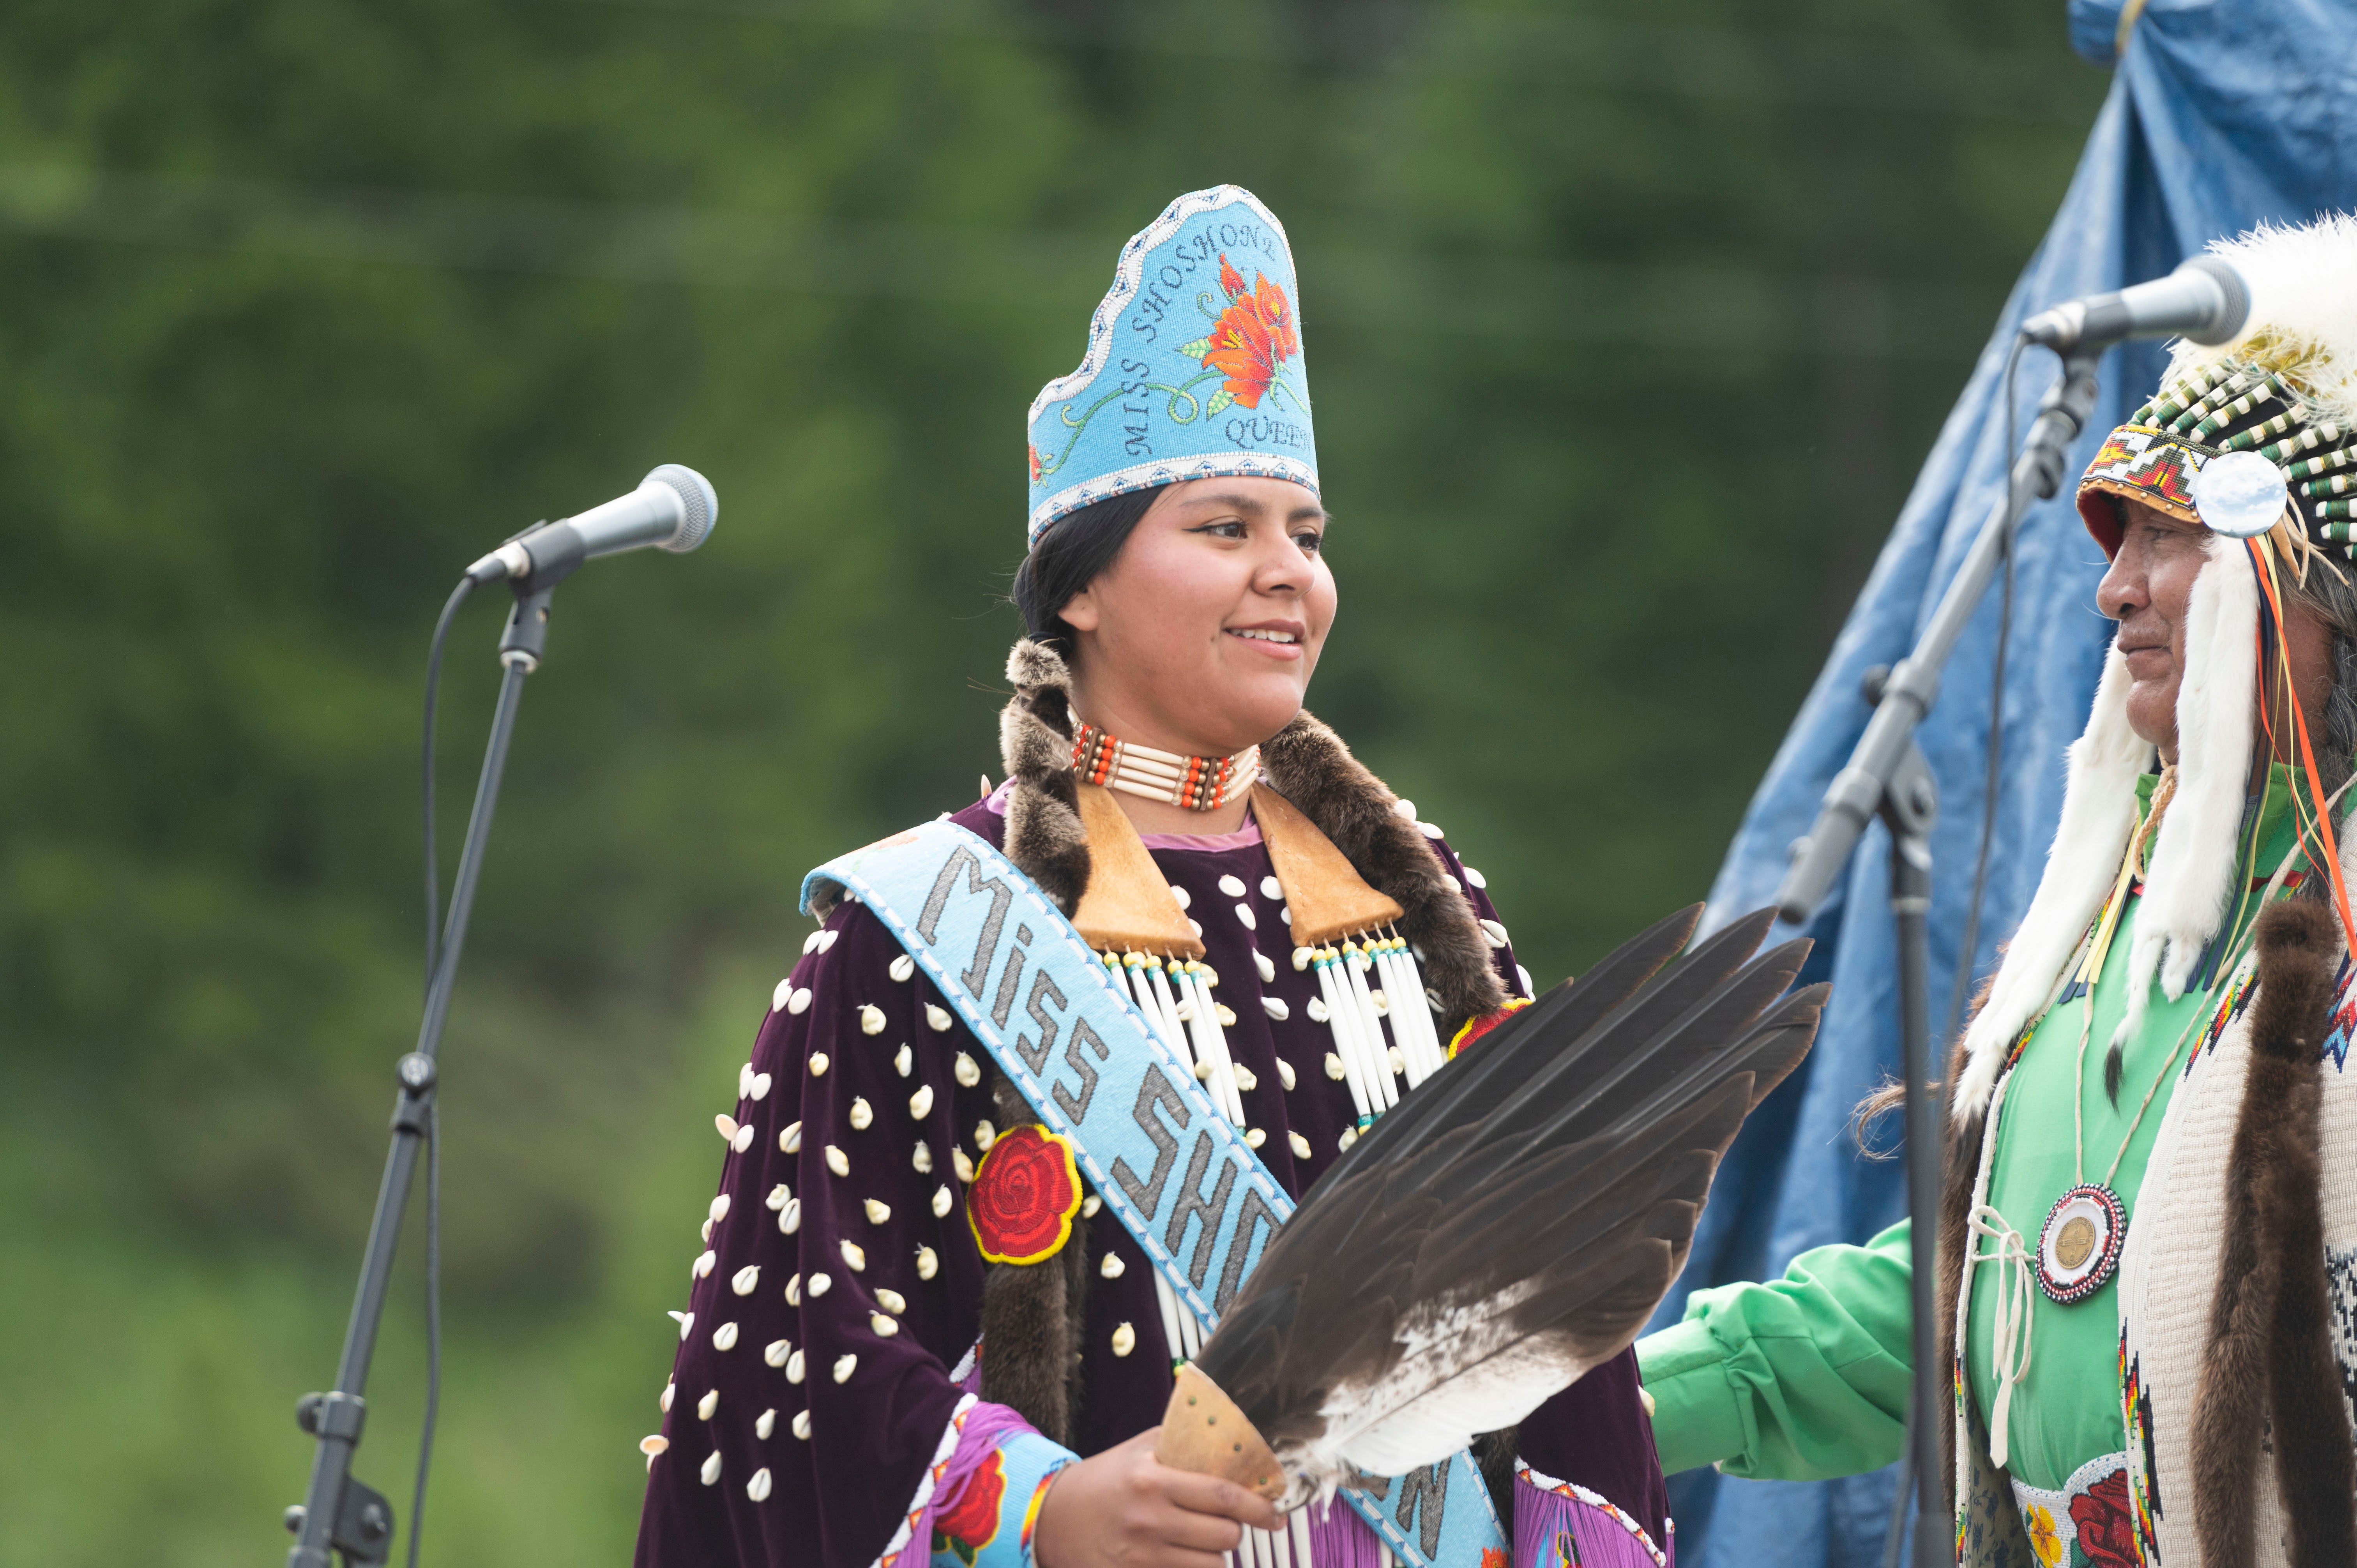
[1627,324]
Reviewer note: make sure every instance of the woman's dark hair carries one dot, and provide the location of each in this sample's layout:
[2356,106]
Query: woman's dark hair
[1077,547]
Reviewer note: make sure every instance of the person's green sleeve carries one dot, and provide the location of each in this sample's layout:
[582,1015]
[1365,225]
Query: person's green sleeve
[1796,1379]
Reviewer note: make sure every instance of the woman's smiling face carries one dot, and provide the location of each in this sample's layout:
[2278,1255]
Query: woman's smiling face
[1202,636]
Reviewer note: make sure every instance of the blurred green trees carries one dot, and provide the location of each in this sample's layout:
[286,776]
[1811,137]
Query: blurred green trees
[1627,325]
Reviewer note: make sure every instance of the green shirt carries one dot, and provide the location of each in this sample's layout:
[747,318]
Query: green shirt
[1807,1377]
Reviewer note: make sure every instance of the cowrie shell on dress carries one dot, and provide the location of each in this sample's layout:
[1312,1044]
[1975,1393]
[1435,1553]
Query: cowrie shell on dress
[1404,807]
[1090,1205]
[1495,932]
[720,1209]
[725,1336]
[920,1104]
[1249,921]
[711,1471]
[826,940]
[1183,898]
[811,940]
[757,1488]
[818,1062]
[708,1404]
[1256,1137]
[794,1291]
[1275,1008]
[1476,878]
[1195,927]
[1124,1339]
[939,1019]
[1232,885]
[744,1138]
[1227,1015]
[1301,956]
[1334,1067]
[837,1161]
[961,1164]
[820,1284]
[670,1390]
[743,1281]
[1204,973]
[1112,1266]
[902,1061]
[1432,999]
[790,1141]
[790,1218]
[1262,963]
[985,1134]
[966,1071]
[800,1000]
[1430,830]
[777,1195]
[702,1264]
[745,1081]
[928,1263]
[853,1256]
[654,1444]
[705,1231]
[686,1321]
[877,1212]
[794,1368]
[762,1427]
[902,967]
[941,1202]
[844,1364]
[891,1300]
[759,1088]
[861,1114]
[776,1351]
[1382,1003]
[1299,1144]
[1246,1080]
[1525,976]
[922,1160]
[1285,913]
[1396,1062]
[883,1326]
[1349,1136]
[1271,888]
[1317,1010]
[1453,885]
[1285,1074]
[802,1424]
[871,1019]
[783,994]
[1203,1069]
[726,1126]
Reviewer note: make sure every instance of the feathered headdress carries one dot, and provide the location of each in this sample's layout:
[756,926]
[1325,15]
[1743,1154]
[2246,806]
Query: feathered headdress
[2254,439]
[1510,1226]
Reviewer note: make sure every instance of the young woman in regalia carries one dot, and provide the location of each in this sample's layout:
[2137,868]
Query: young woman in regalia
[2148,1247]
[916,1330]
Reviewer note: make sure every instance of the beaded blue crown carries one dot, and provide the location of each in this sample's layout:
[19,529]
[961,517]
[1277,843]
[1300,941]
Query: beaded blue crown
[1194,366]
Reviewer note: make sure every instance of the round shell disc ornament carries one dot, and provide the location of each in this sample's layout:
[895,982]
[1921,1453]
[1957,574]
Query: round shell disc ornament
[2240,493]
[2079,1246]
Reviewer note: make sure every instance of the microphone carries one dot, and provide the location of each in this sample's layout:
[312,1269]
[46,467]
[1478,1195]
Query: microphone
[2205,300]
[673,508]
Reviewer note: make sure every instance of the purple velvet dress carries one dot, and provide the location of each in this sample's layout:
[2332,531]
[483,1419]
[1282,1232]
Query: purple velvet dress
[821,1406]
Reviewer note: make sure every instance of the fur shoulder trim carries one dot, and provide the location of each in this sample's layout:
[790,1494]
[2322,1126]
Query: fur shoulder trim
[2190,885]
[2098,812]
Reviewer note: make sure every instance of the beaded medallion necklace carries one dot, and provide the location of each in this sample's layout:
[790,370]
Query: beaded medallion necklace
[1194,783]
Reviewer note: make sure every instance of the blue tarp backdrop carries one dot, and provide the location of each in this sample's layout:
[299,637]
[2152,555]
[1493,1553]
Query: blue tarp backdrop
[2222,115]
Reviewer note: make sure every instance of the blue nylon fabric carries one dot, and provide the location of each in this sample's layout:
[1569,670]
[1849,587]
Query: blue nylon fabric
[2219,116]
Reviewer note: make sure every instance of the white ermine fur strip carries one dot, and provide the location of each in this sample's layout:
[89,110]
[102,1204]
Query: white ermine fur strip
[2099,808]
[2190,884]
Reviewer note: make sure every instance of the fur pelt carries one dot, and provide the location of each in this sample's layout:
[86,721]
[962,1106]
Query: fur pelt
[1032,1318]
[1961,1166]
[2270,1379]
[1032,1315]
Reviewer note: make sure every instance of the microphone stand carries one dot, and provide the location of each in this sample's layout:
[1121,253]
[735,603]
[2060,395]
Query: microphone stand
[340,1512]
[1888,777]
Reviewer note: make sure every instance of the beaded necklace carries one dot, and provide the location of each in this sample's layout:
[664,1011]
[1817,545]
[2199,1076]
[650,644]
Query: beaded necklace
[1195,783]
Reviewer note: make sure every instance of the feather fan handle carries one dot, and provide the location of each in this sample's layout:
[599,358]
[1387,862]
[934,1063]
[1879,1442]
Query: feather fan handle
[1204,1433]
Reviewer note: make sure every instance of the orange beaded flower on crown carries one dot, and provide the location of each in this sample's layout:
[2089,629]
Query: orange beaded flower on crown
[1253,337]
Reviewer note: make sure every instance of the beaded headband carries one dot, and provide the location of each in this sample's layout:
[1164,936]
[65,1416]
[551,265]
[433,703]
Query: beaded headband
[2160,454]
